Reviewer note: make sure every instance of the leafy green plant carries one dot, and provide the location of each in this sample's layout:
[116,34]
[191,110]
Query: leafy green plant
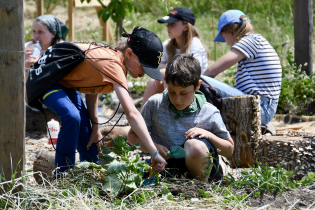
[124,173]
[209,163]
[267,179]
[297,88]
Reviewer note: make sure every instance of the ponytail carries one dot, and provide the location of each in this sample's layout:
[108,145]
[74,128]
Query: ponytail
[239,29]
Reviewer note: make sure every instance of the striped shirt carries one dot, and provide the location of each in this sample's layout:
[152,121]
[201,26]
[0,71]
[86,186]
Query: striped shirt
[260,72]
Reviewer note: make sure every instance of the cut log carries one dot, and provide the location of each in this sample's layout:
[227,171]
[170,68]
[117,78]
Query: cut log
[289,150]
[45,163]
[241,116]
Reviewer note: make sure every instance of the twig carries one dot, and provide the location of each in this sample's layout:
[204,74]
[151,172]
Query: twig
[294,204]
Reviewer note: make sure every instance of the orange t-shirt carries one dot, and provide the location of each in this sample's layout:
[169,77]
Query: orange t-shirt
[87,79]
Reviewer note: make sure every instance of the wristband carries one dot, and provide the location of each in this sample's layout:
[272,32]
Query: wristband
[154,154]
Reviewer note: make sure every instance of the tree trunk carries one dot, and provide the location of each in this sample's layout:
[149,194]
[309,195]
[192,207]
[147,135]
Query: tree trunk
[241,115]
[12,102]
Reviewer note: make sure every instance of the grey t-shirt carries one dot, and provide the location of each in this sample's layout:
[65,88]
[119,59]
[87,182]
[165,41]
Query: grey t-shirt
[169,132]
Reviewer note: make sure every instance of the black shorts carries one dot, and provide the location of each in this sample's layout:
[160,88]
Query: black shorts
[177,167]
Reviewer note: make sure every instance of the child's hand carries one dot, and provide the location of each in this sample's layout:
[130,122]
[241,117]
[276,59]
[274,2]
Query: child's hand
[162,150]
[159,163]
[202,133]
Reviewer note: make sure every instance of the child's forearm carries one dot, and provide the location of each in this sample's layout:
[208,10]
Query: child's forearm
[225,147]
[139,127]
[225,62]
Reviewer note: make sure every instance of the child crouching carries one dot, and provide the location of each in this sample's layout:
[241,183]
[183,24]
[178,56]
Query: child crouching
[180,116]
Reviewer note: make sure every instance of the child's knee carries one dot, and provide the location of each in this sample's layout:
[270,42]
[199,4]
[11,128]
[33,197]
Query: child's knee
[195,149]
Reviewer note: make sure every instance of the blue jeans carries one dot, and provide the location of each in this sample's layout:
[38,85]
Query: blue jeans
[267,105]
[75,128]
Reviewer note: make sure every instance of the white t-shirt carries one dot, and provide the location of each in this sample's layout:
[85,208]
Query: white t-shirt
[260,72]
[196,48]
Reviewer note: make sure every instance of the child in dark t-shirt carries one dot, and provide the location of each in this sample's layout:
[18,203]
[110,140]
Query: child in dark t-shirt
[180,116]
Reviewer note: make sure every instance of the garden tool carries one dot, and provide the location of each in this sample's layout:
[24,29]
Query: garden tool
[151,180]
[176,152]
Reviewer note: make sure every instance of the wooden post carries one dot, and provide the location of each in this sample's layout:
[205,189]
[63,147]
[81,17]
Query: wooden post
[40,7]
[70,21]
[241,116]
[107,29]
[303,34]
[12,92]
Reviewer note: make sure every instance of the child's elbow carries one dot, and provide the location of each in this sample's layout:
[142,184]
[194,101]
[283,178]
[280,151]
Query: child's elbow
[230,150]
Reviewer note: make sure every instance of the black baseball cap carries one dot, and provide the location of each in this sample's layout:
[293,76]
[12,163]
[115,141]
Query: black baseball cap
[149,49]
[177,14]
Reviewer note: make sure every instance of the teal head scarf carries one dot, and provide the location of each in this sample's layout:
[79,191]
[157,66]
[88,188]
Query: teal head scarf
[55,26]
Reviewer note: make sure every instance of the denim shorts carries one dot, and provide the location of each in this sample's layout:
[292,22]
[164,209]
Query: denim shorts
[268,106]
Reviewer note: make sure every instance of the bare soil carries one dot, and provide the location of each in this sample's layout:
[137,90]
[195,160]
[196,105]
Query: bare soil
[302,197]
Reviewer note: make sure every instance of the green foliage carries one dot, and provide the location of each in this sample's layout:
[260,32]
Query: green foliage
[124,173]
[229,75]
[297,89]
[267,179]
[116,9]
[209,163]
[229,196]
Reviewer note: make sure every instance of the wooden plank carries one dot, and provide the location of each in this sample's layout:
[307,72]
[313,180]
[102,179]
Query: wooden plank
[241,115]
[12,92]
[40,7]
[70,21]
[303,34]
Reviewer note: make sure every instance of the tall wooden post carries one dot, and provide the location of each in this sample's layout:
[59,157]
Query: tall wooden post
[12,102]
[303,34]
[70,21]
[40,7]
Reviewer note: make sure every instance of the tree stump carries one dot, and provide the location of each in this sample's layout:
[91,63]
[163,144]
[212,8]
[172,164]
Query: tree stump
[290,149]
[241,116]
[45,163]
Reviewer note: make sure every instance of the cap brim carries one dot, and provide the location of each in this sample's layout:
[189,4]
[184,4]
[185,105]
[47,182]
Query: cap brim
[151,71]
[169,20]
[219,38]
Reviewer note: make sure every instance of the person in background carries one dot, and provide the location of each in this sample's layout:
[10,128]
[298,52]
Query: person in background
[48,30]
[183,38]
[259,70]
[181,116]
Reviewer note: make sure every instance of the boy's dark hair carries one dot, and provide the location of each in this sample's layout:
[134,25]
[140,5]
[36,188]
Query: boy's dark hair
[183,70]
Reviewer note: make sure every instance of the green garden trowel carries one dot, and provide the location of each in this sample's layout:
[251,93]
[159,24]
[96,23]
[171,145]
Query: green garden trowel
[176,152]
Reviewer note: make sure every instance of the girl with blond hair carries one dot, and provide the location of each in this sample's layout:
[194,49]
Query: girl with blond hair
[259,69]
[183,38]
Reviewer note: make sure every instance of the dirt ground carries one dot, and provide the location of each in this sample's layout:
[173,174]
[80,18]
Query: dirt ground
[297,198]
